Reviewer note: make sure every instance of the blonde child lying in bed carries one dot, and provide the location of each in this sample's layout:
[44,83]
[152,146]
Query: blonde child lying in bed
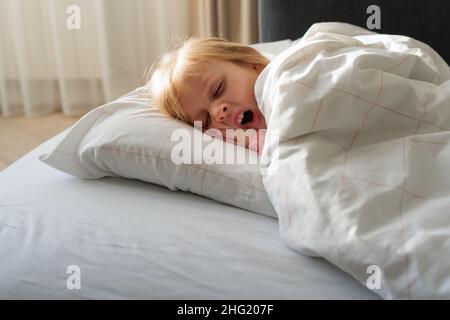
[210,81]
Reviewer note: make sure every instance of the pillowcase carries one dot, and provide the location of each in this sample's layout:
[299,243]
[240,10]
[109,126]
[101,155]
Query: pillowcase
[130,138]
[271,49]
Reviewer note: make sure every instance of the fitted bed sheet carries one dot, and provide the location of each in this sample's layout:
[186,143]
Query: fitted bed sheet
[134,240]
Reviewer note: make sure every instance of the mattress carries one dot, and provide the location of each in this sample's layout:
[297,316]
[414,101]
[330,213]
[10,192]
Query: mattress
[133,240]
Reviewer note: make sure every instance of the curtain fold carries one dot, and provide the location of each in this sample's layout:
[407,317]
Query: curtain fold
[235,20]
[48,64]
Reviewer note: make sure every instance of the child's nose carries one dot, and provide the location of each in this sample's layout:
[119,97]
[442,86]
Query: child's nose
[221,113]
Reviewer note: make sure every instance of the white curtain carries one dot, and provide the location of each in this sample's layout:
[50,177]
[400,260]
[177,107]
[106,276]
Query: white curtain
[74,55]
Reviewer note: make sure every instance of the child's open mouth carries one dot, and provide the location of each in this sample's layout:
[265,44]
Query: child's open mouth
[245,117]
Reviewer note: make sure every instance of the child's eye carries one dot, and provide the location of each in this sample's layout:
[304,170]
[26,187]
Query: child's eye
[218,90]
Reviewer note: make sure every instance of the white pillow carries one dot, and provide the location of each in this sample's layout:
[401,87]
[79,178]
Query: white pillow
[130,138]
[271,49]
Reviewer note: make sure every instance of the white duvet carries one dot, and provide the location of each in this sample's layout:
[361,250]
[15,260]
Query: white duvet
[361,173]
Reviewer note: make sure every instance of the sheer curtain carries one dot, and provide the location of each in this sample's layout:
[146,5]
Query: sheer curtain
[74,55]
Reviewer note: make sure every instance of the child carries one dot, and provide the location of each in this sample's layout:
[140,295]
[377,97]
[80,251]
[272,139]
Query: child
[212,80]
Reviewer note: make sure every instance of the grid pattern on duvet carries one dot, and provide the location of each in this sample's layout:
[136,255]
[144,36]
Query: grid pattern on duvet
[376,104]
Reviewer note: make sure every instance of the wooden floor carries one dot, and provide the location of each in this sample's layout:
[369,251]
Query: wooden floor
[19,135]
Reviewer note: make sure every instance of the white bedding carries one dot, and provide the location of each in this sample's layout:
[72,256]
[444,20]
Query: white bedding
[135,240]
[362,165]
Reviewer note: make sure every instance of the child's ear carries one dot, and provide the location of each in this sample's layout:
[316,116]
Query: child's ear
[258,67]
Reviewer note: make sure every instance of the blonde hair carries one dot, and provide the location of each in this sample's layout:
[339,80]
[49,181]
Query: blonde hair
[167,79]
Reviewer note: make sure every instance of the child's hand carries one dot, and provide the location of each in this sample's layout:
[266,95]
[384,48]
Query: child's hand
[257,141]
[251,139]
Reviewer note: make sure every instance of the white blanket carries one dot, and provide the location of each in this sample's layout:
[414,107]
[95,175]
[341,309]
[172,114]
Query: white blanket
[361,173]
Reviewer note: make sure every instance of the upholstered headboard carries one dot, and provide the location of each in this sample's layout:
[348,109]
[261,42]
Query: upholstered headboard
[427,21]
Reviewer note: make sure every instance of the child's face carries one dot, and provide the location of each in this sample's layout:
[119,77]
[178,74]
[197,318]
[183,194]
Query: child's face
[222,97]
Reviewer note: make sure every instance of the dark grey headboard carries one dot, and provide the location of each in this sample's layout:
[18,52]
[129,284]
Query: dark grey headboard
[427,21]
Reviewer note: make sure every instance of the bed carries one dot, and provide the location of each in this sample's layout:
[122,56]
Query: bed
[133,240]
